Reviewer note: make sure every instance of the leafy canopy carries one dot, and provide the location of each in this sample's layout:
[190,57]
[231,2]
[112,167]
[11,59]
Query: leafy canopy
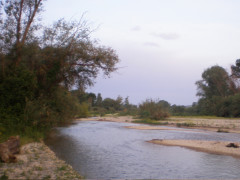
[39,65]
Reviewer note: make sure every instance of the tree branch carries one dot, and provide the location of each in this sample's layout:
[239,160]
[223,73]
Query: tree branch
[37,4]
[19,22]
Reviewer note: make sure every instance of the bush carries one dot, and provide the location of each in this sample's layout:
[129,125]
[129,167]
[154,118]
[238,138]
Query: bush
[61,108]
[83,110]
[229,106]
[153,110]
[15,88]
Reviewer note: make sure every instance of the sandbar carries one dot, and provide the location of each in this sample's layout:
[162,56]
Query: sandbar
[215,147]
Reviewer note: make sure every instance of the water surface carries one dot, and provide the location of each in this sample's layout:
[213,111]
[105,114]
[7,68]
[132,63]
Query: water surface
[107,150]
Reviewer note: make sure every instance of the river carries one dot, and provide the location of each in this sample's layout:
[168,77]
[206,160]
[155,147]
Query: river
[107,150]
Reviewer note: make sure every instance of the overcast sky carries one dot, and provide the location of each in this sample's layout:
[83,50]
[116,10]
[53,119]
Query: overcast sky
[164,45]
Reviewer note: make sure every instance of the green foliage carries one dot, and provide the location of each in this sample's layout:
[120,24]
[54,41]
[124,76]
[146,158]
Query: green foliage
[14,90]
[176,110]
[45,112]
[229,106]
[4,177]
[99,100]
[112,105]
[156,110]
[186,124]
[83,110]
[219,92]
[215,82]
[149,121]
[236,69]
[38,70]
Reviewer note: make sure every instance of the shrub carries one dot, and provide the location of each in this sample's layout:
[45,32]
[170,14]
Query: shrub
[153,110]
[83,110]
[229,106]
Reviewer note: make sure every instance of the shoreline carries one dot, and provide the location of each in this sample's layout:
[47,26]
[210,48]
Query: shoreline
[38,161]
[214,147]
[213,125]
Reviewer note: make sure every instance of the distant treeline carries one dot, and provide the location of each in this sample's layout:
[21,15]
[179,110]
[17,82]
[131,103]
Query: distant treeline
[94,105]
[218,91]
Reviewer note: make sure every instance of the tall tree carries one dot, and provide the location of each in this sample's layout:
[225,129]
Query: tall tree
[214,89]
[126,102]
[236,69]
[18,25]
[215,82]
[39,65]
[64,54]
[99,100]
[236,76]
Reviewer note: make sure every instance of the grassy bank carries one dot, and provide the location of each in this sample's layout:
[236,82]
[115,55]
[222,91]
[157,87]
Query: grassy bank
[151,122]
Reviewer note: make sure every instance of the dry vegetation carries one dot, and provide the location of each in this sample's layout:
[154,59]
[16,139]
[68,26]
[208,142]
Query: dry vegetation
[37,161]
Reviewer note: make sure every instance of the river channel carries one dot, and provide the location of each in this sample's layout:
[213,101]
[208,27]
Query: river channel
[107,150]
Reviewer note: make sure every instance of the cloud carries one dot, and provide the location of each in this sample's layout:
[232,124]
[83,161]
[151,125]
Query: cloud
[151,44]
[136,28]
[166,36]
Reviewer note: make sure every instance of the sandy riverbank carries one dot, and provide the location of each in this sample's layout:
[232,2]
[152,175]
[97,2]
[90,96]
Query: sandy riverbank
[209,124]
[215,147]
[122,119]
[37,161]
[158,128]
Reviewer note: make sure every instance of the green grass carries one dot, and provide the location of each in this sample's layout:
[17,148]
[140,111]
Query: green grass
[24,139]
[186,124]
[149,121]
[29,135]
[62,168]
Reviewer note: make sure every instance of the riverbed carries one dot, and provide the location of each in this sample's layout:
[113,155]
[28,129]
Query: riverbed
[108,150]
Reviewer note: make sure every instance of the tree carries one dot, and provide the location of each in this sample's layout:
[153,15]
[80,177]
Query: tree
[18,26]
[219,92]
[236,69]
[99,100]
[65,53]
[109,104]
[236,76]
[118,105]
[126,102]
[215,82]
[51,59]
[80,58]
[214,86]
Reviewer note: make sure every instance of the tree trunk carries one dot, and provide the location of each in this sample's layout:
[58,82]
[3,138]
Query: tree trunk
[9,148]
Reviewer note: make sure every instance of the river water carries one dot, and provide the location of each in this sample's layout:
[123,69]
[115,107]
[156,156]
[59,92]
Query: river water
[107,150]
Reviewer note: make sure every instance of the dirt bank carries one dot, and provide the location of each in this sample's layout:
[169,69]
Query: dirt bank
[37,161]
[215,147]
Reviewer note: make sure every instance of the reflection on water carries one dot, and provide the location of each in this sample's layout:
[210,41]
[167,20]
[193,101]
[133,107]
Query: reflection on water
[106,150]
